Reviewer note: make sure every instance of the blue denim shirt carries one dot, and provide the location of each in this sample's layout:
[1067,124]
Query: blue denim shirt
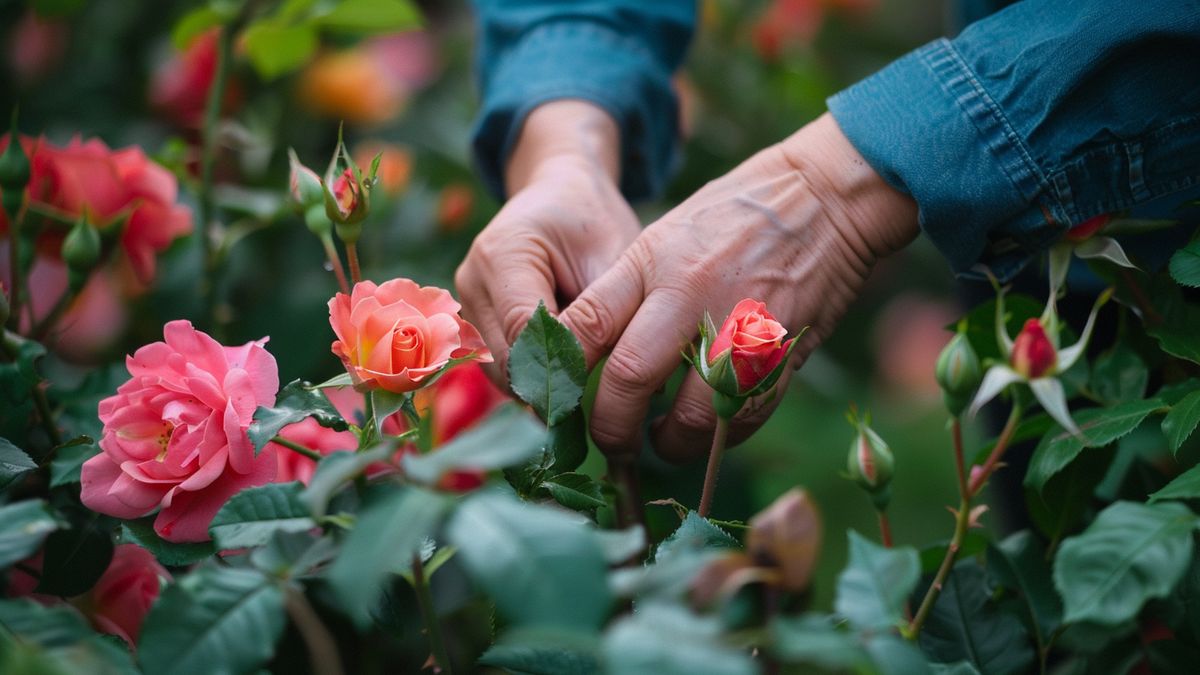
[1034,119]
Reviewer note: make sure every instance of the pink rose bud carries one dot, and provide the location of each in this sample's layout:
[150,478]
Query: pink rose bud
[754,340]
[121,599]
[305,184]
[399,336]
[870,463]
[1087,228]
[787,536]
[1033,355]
[174,435]
[345,193]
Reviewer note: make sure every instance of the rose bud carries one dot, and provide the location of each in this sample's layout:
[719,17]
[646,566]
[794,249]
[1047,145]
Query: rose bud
[745,358]
[787,535]
[346,205]
[399,336]
[1033,355]
[121,599]
[305,184]
[870,464]
[81,252]
[14,174]
[958,372]
[1085,230]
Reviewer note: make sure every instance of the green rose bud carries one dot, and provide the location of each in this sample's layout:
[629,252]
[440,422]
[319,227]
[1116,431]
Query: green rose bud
[870,464]
[959,373]
[318,221]
[14,175]
[81,252]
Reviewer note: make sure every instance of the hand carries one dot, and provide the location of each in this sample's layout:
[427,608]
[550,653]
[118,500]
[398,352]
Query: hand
[565,224]
[797,226]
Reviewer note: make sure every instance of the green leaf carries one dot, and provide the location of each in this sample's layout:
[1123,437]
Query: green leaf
[981,323]
[544,652]
[372,16]
[530,558]
[295,402]
[814,640]
[215,620]
[1019,564]
[1061,504]
[1131,553]
[192,24]
[293,554]
[568,442]
[251,516]
[1181,420]
[23,527]
[1119,375]
[546,367]
[1175,329]
[388,532]
[61,639]
[873,587]
[1184,486]
[622,545]
[575,491]
[666,639]
[276,49]
[335,470]
[14,463]
[894,655]
[1097,426]
[1185,265]
[508,437]
[694,533]
[966,626]
[74,560]
[68,463]
[169,553]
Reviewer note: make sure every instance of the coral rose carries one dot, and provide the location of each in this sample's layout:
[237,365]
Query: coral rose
[398,336]
[754,340]
[111,186]
[120,600]
[175,434]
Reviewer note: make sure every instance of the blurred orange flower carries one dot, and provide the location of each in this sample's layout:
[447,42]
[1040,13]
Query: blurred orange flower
[395,164]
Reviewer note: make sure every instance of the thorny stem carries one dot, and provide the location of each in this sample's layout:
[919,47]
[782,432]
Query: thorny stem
[720,434]
[14,269]
[212,116]
[352,256]
[623,473]
[885,529]
[297,448]
[322,648]
[425,602]
[336,262]
[962,517]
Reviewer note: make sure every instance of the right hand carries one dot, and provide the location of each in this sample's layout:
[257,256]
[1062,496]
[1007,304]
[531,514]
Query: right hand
[565,224]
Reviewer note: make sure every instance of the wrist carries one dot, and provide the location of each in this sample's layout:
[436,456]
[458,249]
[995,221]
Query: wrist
[874,217]
[564,130]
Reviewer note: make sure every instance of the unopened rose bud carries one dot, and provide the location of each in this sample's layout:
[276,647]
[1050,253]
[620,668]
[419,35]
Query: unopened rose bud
[14,174]
[1033,355]
[958,373]
[745,357]
[787,535]
[318,221]
[870,464]
[346,206]
[305,184]
[1087,228]
[81,252]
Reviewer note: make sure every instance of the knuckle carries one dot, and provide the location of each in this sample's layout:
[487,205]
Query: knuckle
[628,372]
[592,321]
[514,321]
[694,415]
[609,436]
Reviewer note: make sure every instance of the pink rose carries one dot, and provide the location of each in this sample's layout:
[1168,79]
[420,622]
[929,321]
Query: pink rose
[398,336]
[755,342]
[120,600]
[110,185]
[175,434]
[179,88]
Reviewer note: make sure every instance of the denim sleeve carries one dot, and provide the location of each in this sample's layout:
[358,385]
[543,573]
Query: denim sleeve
[1034,119]
[618,54]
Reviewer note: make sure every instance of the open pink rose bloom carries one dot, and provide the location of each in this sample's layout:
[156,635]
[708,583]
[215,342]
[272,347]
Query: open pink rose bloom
[175,433]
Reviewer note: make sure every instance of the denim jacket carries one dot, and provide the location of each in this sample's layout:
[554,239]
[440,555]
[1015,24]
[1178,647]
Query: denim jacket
[1032,120]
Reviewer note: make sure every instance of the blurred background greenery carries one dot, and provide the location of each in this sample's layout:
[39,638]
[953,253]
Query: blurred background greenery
[757,71]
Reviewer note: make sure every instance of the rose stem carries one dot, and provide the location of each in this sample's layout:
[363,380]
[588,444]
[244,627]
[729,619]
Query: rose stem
[962,518]
[885,529]
[352,256]
[14,268]
[335,261]
[623,472]
[297,448]
[714,465]
[322,649]
[425,602]
[43,327]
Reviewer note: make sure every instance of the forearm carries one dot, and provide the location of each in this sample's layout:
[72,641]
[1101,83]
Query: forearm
[567,129]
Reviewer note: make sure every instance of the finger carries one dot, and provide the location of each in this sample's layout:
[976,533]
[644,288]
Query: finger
[644,357]
[685,432]
[519,281]
[477,309]
[599,315]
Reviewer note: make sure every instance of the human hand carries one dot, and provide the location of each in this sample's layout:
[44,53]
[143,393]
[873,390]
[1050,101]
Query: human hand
[798,226]
[565,224]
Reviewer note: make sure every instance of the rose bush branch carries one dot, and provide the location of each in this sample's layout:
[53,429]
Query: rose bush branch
[429,615]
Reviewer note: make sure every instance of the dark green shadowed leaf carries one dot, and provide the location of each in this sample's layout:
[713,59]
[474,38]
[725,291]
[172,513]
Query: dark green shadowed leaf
[1181,420]
[171,554]
[507,438]
[966,626]
[814,640]
[544,652]
[23,527]
[546,367]
[1131,553]
[62,640]
[1119,375]
[1098,427]
[1019,564]
[1185,265]
[1058,509]
[667,639]
[575,491]
[68,463]
[295,402]
[694,533]
[871,590]
[215,621]
[528,558]
[13,463]
[74,559]
[335,470]
[1184,486]
[251,516]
